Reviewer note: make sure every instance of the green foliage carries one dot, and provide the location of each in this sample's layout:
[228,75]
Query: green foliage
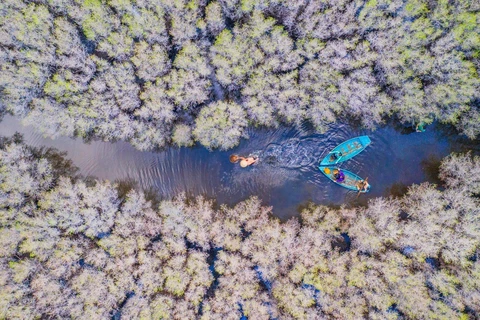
[214,18]
[416,7]
[258,42]
[150,61]
[183,16]
[95,216]
[192,58]
[269,97]
[95,26]
[118,45]
[188,84]
[72,250]
[156,105]
[92,4]
[220,125]
[182,136]
[234,58]
[61,86]
[461,172]
[51,118]
[147,24]
[467,31]
[186,88]
[26,54]
[470,123]
[423,28]
[85,68]
[451,72]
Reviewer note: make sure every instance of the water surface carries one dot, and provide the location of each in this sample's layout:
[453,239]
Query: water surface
[286,177]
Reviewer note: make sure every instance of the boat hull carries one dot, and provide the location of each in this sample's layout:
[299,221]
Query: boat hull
[351,179]
[346,150]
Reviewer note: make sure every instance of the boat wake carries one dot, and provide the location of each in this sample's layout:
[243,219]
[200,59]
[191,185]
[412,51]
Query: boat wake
[293,154]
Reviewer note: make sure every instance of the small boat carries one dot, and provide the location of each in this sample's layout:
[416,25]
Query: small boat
[346,150]
[351,179]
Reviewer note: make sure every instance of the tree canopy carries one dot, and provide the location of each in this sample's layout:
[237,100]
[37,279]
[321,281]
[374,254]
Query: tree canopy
[72,248]
[143,71]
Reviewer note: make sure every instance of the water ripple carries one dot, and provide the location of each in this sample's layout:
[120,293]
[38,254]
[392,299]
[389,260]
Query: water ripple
[285,177]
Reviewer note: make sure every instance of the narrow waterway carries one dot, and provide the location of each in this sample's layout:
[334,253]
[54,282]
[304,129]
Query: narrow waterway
[286,176]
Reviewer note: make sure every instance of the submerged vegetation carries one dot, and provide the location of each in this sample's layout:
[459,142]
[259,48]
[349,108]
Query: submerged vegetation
[73,248]
[154,72]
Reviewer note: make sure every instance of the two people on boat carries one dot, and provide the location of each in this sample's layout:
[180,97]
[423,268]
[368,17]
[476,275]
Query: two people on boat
[338,175]
[362,185]
[244,161]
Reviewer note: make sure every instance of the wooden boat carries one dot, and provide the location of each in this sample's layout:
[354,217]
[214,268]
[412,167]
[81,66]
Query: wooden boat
[346,150]
[351,179]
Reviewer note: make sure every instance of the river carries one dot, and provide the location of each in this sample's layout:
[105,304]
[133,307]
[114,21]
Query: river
[286,177]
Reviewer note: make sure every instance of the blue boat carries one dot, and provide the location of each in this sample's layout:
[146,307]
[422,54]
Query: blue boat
[346,150]
[351,179]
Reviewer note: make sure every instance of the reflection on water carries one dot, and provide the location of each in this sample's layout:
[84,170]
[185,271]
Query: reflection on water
[431,167]
[285,177]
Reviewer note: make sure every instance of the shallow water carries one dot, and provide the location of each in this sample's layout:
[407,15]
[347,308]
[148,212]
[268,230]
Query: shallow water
[286,177]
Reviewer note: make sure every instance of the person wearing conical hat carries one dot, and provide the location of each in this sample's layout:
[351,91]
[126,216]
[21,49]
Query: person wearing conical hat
[363,185]
[234,158]
[244,162]
[338,175]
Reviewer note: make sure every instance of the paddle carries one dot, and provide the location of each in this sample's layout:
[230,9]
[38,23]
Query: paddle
[337,152]
[360,191]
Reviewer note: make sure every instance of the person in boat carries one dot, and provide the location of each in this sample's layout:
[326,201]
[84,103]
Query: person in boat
[420,127]
[363,185]
[244,161]
[335,156]
[338,175]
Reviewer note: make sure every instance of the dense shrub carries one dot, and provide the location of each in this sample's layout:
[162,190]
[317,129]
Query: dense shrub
[220,125]
[70,249]
[142,70]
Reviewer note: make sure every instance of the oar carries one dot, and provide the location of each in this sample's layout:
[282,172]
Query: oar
[338,159]
[360,191]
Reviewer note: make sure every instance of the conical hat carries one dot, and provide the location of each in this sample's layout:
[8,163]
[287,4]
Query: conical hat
[327,171]
[243,163]
[233,158]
